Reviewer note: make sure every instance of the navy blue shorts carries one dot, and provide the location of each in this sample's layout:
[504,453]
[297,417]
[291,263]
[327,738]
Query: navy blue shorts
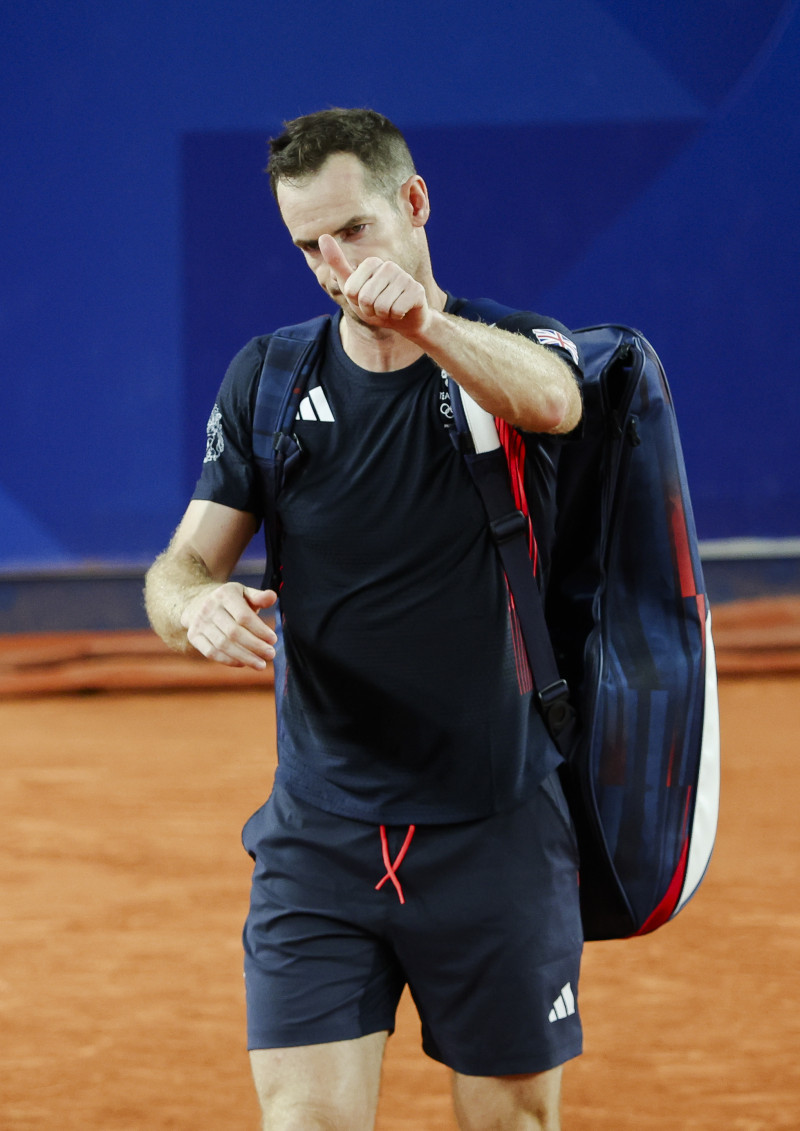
[481,920]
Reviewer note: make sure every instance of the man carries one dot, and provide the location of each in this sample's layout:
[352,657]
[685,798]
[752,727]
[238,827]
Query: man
[416,833]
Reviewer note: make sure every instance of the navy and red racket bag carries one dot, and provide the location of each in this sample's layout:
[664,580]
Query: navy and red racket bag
[630,629]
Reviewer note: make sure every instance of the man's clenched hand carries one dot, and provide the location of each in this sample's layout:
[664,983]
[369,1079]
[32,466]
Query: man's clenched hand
[378,291]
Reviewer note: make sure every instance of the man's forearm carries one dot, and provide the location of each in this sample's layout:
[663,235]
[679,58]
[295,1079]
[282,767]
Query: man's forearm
[506,373]
[173,580]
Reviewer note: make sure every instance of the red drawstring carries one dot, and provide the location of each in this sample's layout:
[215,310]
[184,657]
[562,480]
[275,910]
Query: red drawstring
[391,869]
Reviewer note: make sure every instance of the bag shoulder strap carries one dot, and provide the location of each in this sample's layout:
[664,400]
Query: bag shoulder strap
[291,356]
[475,434]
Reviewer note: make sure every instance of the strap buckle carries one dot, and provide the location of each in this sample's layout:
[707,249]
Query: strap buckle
[281,443]
[556,708]
[508,526]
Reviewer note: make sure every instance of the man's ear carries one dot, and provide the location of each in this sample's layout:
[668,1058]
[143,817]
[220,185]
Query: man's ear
[414,196]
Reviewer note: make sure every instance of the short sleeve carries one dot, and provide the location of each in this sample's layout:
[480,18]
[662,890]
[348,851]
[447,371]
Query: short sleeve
[229,474]
[555,336]
[548,332]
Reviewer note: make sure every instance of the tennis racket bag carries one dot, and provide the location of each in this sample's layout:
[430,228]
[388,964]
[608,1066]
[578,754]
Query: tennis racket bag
[630,627]
[622,656]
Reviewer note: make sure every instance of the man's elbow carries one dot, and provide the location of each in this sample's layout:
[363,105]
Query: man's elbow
[570,411]
[558,414]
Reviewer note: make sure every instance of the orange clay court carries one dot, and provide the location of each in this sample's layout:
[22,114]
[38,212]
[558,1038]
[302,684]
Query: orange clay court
[127,775]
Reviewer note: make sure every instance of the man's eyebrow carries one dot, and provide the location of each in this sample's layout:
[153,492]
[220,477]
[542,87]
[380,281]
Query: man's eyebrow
[313,245]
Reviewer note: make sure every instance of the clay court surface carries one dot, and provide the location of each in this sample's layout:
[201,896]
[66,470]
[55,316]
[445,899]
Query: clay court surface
[123,888]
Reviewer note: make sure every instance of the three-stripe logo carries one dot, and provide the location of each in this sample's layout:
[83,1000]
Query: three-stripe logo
[315,406]
[563,1006]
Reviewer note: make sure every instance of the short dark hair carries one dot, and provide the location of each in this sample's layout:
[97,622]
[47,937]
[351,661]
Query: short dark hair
[307,143]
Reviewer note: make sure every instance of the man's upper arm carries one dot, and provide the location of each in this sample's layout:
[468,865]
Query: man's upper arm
[558,340]
[547,332]
[217,534]
[229,473]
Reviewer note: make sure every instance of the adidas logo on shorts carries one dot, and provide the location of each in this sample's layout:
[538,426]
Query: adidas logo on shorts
[563,1006]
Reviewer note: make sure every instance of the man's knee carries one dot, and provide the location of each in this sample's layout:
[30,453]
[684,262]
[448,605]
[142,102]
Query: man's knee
[508,1103]
[330,1087]
[306,1115]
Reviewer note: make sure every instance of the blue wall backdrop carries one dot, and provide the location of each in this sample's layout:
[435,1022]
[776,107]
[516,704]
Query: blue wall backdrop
[597,160]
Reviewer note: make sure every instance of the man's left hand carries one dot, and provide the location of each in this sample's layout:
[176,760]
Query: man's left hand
[378,291]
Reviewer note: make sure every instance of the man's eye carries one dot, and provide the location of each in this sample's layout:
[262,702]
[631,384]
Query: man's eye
[356,230]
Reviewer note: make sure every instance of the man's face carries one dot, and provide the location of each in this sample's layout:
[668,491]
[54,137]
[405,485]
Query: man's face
[338,201]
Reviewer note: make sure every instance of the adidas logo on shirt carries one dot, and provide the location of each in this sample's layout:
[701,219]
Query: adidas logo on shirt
[563,1006]
[315,406]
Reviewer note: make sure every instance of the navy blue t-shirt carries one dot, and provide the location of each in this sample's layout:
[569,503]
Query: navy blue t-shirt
[405,698]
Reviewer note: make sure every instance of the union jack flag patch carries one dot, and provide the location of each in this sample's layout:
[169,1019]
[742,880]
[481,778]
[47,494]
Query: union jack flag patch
[554,338]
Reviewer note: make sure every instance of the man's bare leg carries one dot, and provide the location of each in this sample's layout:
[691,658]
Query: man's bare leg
[330,1087]
[508,1103]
